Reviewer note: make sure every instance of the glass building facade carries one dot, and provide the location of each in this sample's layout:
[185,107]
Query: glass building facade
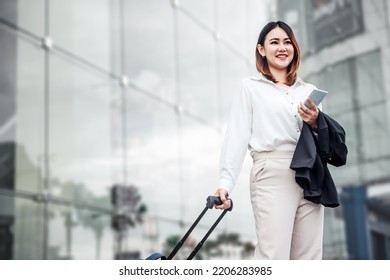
[102,93]
[345,51]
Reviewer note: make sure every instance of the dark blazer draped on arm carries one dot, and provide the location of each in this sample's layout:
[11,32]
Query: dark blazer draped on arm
[313,152]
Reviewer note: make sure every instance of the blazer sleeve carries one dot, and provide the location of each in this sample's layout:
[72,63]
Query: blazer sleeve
[331,140]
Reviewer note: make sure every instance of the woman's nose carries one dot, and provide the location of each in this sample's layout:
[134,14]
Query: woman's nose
[282,47]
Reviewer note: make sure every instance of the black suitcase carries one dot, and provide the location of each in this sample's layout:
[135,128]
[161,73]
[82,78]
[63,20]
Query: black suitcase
[210,202]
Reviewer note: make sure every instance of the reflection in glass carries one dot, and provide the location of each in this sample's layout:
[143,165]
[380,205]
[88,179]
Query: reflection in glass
[79,234]
[197,67]
[78,30]
[25,14]
[30,114]
[149,46]
[153,154]
[373,106]
[80,133]
[232,24]
[28,230]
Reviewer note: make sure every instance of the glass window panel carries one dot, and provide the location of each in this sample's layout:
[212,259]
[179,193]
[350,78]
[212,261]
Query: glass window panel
[372,105]
[338,82]
[336,23]
[198,87]
[25,14]
[8,88]
[201,10]
[7,219]
[149,45]
[29,117]
[334,236]
[84,28]
[375,132]
[233,31]
[28,229]
[153,153]
[315,79]
[199,163]
[79,234]
[375,169]
[81,132]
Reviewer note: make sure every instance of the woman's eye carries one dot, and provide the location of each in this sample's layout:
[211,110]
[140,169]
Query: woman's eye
[274,42]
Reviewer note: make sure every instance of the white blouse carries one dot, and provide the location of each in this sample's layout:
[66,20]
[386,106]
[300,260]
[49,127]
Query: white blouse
[263,117]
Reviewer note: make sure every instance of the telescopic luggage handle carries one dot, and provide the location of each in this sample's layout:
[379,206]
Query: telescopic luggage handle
[210,202]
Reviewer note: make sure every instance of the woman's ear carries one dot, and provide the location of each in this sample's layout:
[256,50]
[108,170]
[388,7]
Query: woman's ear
[260,48]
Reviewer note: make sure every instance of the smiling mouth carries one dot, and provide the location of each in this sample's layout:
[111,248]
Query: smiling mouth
[282,56]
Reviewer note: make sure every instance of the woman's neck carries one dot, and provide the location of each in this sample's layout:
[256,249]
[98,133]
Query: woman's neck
[280,76]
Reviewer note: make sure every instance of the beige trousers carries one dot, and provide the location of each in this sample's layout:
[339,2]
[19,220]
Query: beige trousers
[287,225]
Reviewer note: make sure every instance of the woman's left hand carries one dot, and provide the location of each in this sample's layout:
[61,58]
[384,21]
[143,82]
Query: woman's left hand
[309,116]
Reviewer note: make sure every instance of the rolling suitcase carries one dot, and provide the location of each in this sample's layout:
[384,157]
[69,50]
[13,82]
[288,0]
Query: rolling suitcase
[210,202]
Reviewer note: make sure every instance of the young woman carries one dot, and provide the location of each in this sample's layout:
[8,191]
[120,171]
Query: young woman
[266,118]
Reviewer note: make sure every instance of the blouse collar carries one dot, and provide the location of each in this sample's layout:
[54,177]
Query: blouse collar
[261,77]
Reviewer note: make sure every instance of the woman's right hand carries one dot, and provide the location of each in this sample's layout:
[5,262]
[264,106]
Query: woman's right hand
[223,195]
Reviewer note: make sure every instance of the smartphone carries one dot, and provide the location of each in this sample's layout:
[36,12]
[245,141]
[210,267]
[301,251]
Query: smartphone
[317,96]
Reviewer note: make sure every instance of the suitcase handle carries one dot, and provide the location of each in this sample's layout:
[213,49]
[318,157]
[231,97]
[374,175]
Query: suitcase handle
[216,200]
[211,201]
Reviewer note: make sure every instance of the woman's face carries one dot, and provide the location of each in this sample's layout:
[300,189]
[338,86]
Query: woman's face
[278,49]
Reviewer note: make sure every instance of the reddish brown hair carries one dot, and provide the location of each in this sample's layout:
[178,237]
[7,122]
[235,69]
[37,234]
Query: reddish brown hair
[262,63]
